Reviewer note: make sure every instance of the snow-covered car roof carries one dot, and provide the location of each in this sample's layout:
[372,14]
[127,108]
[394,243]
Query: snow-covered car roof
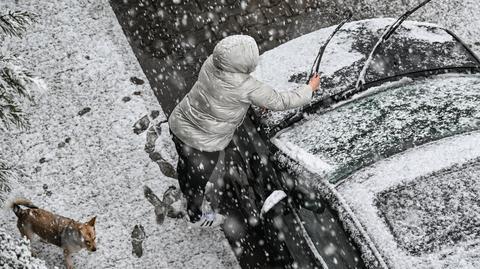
[421,208]
[415,209]
[413,49]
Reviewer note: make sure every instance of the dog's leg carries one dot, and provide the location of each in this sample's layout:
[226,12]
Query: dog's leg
[68,259]
[25,230]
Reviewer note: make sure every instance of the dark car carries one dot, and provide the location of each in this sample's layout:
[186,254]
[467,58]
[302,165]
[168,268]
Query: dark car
[381,171]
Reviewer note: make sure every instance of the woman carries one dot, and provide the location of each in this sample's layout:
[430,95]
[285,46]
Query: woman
[204,122]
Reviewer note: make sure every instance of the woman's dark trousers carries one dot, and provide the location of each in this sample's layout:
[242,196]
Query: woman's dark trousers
[194,170]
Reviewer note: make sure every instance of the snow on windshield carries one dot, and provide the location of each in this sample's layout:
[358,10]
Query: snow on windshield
[430,197]
[277,65]
[286,66]
[363,131]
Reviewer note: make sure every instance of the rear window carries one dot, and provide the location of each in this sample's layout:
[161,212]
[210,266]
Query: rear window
[426,216]
[395,118]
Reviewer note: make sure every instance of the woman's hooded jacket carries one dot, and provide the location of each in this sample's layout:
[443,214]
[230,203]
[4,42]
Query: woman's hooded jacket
[208,115]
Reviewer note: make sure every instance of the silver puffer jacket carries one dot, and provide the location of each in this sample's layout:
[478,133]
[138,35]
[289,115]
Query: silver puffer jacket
[208,115]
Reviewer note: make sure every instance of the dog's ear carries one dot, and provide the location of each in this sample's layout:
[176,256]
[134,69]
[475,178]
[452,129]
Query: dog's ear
[92,221]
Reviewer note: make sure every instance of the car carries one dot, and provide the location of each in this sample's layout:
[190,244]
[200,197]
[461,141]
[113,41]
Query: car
[395,158]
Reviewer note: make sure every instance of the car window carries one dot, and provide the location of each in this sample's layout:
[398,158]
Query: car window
[365,130]
[422,214]
[414,48]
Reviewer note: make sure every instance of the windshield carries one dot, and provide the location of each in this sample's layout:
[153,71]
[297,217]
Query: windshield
[395,118]
[415,47]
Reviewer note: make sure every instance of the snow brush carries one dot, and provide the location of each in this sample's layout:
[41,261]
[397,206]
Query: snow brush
[316,64]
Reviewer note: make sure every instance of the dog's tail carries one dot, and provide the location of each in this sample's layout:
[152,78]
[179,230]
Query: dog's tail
[15,205]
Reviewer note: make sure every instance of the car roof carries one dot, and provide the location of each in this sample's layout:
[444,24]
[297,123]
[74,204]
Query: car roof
[413,233]
[415,49]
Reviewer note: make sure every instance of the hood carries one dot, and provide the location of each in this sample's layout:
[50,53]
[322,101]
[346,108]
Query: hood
[236,54]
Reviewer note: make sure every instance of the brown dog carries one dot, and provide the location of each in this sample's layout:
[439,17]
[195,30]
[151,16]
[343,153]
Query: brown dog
[66,233]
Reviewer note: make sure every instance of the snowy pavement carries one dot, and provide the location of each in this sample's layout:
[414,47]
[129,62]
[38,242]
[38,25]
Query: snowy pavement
[93,164]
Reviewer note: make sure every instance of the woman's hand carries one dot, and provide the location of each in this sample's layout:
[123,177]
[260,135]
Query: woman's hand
[314,82]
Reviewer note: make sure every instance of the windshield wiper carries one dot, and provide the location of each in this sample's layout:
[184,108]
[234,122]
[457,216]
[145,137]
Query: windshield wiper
[385,36]
[299,115]
[316,64]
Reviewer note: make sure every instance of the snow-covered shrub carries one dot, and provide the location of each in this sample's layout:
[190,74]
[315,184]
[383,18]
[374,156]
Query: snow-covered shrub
[15,253]
[16,84]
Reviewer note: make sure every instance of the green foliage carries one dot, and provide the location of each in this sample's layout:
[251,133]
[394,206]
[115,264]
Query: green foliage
[14,87]
[15,23]
[6,173]
[15,82]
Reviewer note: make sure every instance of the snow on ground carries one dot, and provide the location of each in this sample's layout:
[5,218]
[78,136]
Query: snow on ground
[80,51]
[93,164]
[15,253]
[421,166]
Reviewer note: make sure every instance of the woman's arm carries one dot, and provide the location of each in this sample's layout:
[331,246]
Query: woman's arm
[266,97]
